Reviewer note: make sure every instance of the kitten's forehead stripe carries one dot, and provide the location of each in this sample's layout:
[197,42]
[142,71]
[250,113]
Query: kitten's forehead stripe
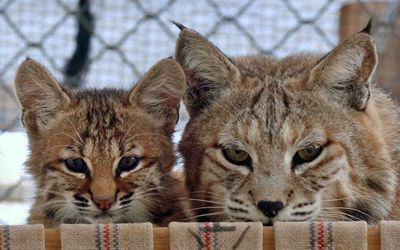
[101,112]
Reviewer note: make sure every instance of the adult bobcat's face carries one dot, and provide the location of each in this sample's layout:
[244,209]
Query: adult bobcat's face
[100,156]
[284,140]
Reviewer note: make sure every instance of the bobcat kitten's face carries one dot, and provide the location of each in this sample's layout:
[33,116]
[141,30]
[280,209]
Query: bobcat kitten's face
[101,156]
[287,140]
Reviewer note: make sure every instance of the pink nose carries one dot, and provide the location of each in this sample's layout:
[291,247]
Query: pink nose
[104,204]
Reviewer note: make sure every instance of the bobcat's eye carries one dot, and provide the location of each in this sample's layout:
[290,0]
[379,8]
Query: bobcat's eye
[127,164]
[237,157]
[306,154]
[77,165]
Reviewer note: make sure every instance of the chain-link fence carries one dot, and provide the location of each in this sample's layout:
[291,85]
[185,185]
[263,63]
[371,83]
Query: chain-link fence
[111,43]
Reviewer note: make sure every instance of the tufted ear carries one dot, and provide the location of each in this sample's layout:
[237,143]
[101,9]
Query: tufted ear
[40,95]
[160,91]
[206,68]
[346,71]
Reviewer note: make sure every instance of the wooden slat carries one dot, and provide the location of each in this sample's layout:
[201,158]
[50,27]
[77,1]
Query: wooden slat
[268,238]
[374,238]
[52,238]
[161,238]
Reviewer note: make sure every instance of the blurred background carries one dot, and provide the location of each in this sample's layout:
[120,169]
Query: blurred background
[106,43]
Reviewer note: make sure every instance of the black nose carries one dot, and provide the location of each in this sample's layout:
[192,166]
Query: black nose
[270,208]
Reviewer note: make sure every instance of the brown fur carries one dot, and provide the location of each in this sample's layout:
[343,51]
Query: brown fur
[272,108]
[101,127]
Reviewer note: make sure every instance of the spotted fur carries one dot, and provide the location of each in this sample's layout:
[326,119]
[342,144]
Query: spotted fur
[272,108]
[101,127]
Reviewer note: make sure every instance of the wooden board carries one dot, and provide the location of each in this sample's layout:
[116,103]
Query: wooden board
[161,238]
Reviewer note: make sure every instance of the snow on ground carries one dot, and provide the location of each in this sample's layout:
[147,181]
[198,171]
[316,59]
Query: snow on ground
[14,213]
[13,153]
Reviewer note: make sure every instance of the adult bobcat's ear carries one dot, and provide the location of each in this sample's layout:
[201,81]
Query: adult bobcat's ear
[40,95]
[160,92]
[346,71]
[206,68]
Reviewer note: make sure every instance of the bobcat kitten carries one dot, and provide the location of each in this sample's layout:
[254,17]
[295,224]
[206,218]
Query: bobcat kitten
[293,139]
[102,156]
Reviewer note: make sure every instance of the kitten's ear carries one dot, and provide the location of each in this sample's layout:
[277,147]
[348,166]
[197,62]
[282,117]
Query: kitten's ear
[206,68]
[39,94]
[346,71]
[160,92]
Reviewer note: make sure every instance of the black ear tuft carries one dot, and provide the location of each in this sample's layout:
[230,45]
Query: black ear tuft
[369,27]
[179,25]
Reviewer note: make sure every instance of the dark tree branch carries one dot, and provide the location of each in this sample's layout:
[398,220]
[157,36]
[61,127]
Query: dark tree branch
[76,66]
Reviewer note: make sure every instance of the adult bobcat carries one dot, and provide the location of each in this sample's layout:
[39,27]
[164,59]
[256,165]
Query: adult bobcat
[293,139]
[102,156]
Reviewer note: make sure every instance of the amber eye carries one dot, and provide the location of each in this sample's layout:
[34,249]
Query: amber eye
[237,157]
[77,165]
[306,154]
[127,164]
